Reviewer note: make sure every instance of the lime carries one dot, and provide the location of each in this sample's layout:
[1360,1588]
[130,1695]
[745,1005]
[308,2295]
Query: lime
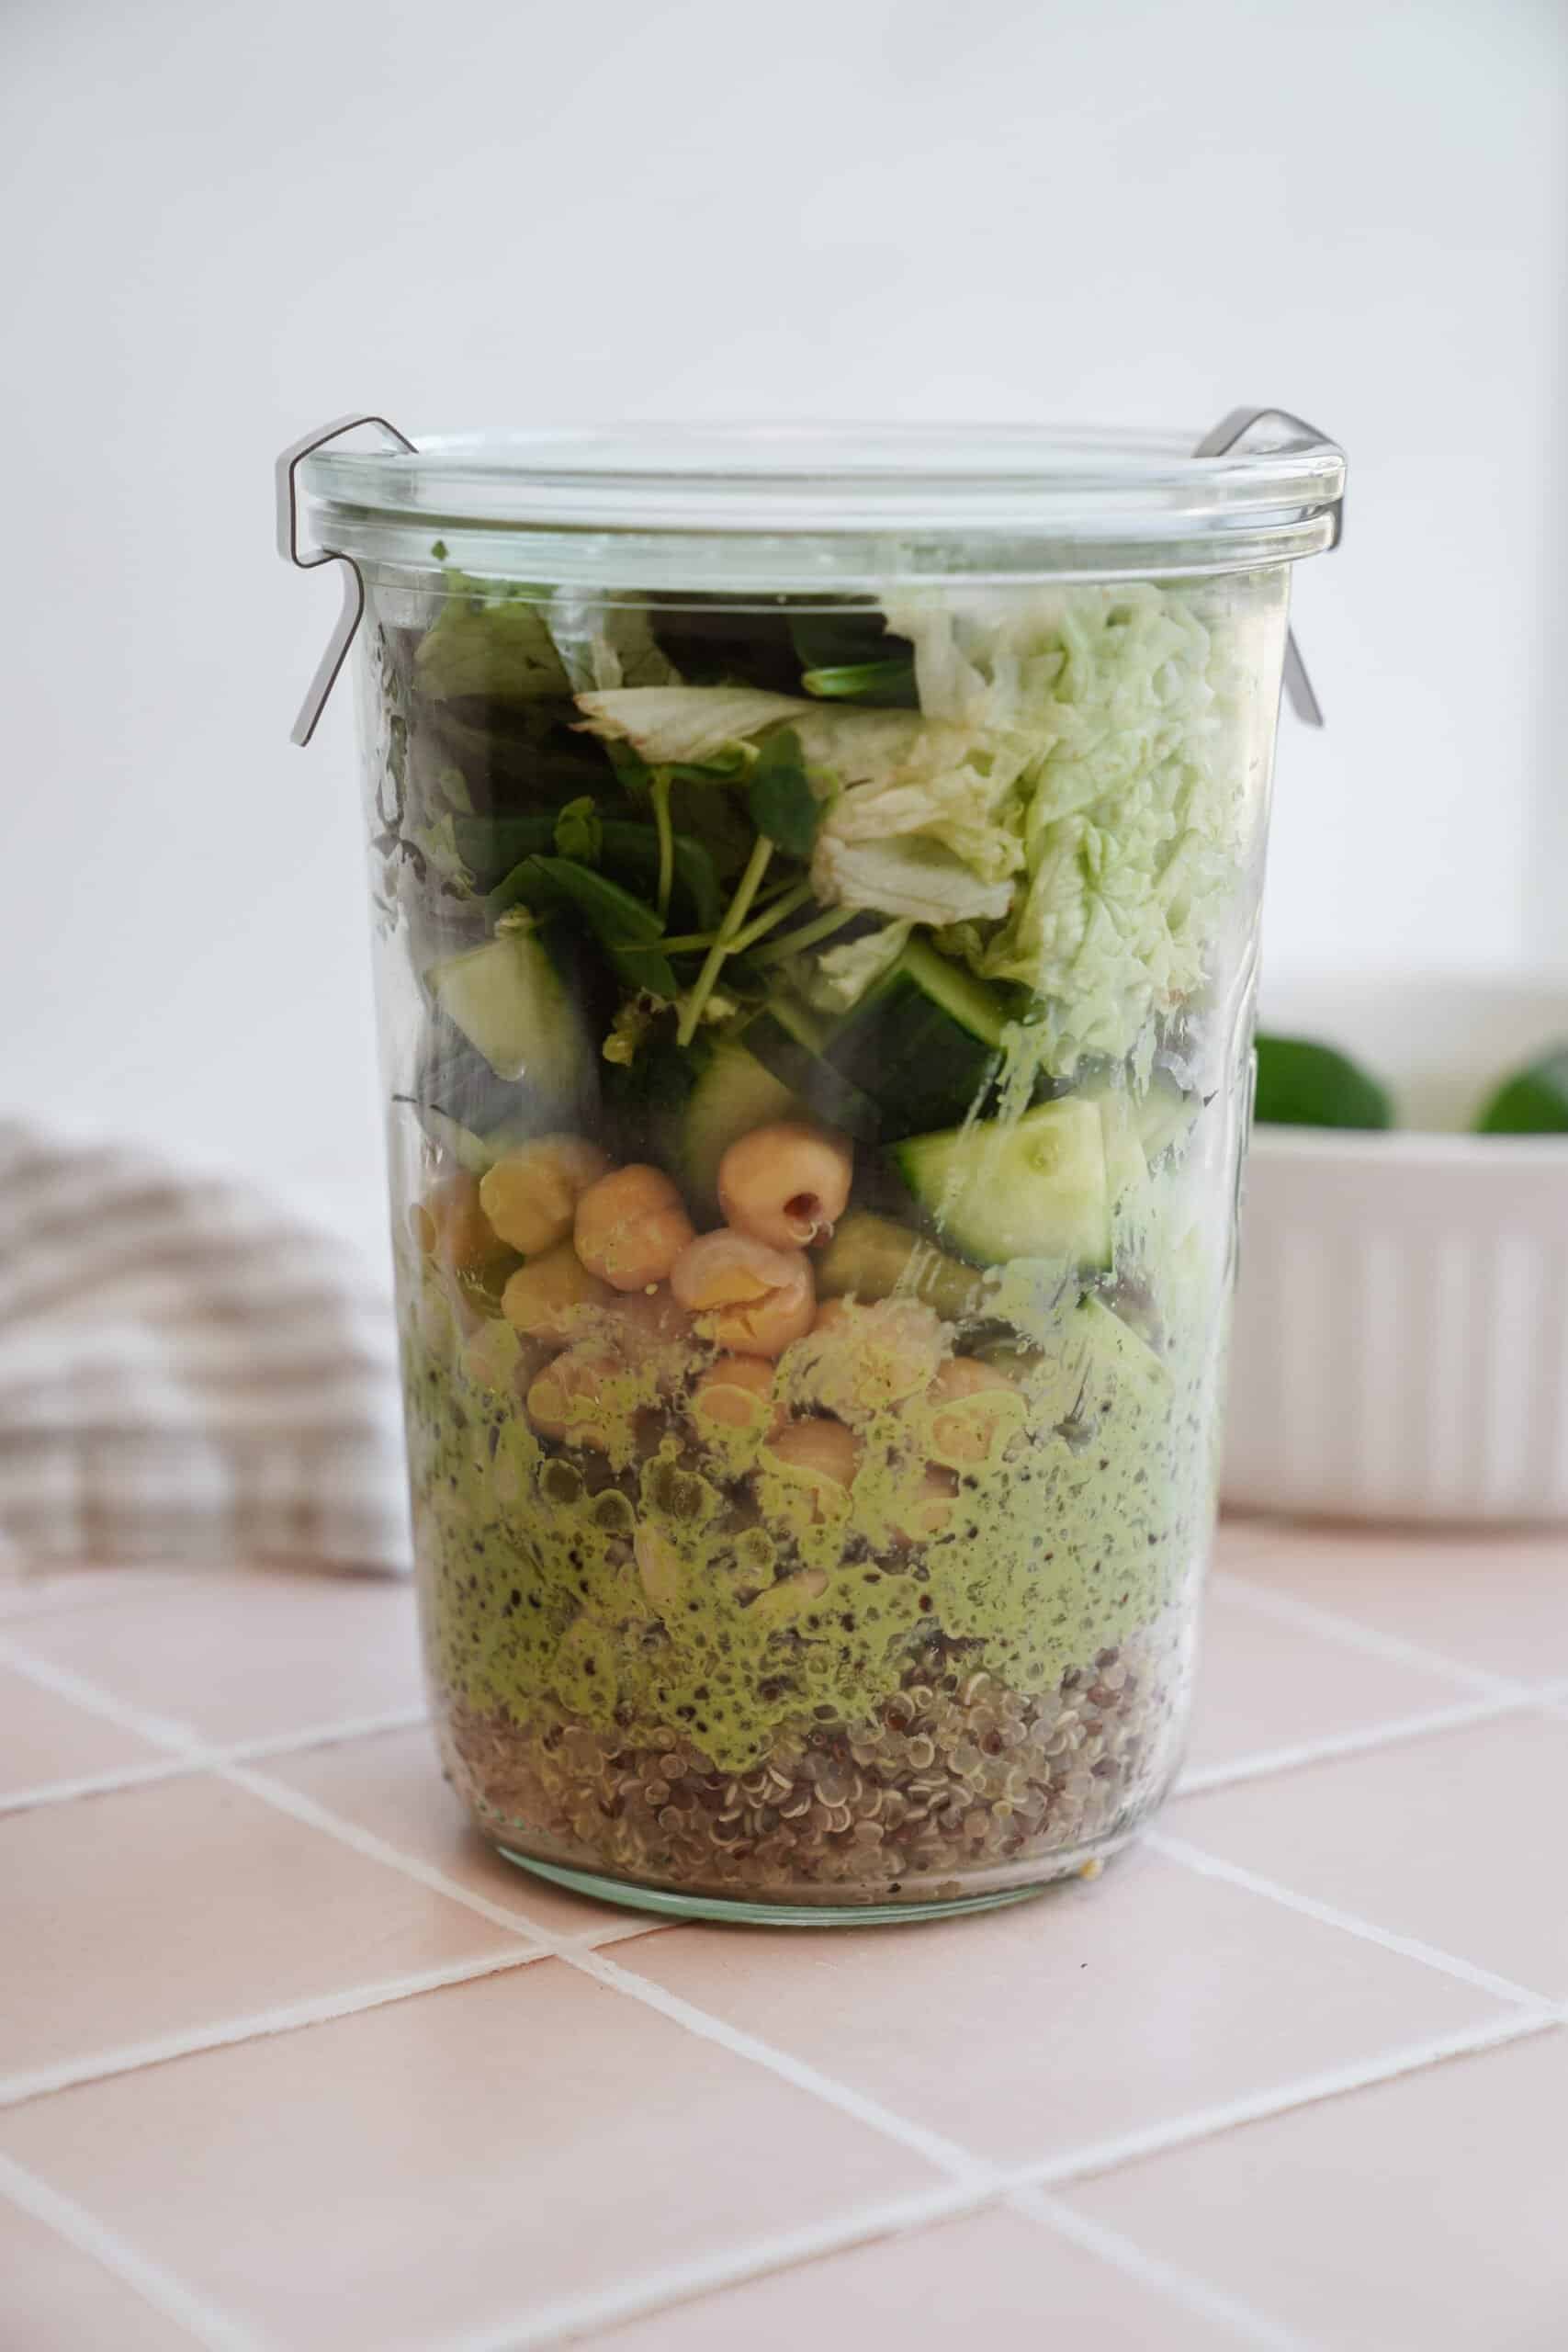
[1304,1085]
[1533,1101]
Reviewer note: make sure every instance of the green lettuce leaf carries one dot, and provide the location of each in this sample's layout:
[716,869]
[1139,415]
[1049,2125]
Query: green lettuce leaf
[491,641]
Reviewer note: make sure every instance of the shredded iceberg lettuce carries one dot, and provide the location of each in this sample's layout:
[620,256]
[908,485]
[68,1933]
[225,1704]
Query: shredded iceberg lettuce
[834,979]
[906,874]
[686,725]
[1130,798]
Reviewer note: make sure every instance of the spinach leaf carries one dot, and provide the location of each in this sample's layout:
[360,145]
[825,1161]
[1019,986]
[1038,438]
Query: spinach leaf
[491,846]
[628,930]
[578,832]
[781,798]
[494,849]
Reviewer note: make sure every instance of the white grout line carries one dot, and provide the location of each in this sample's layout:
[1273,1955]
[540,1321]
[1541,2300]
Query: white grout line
[1264,1762]
[972,2181]
[101,2066]
[1282,2098]
[946,2155]
[327,1735]
[616,1928]
[206,2325]
[199,1759]
[683,2282]
[94,1784]
[1192,2294]
[160,1730]
[1195,1858]
[37,1599]
[1286,1610]
[284,1799]
[1552,1698]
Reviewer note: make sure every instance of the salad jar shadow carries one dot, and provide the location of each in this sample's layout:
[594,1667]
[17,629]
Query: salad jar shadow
[815,880]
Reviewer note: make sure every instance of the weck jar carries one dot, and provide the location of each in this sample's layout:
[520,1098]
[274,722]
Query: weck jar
[814,879]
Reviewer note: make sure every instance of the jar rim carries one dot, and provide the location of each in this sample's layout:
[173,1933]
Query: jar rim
[839,500]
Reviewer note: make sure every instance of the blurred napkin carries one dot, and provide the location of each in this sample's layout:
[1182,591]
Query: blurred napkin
[186,1373]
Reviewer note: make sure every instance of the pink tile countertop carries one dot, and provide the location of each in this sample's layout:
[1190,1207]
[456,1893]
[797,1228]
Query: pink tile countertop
[288,2060]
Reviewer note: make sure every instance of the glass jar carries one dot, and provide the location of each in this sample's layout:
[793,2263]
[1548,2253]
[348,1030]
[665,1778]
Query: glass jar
[816,882]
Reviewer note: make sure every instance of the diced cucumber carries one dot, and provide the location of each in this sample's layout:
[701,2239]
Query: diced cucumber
[458,1142]
[466,1111]
[1036,1187]
[474,1152]
[1140,1128]
[1115,1358]
[925,1042]
[873,1257]
[1166,1115]
[1081,1361]
[788,1040]
[733,1093]
[645,1099]
[510,1000]
[1127,1167]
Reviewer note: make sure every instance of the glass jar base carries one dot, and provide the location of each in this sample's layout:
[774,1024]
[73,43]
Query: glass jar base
[984,1891]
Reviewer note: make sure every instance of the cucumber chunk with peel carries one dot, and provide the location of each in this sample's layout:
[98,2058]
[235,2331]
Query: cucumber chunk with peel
[874,1258]
[788,1040]
[925,1042]
[1036,1187]
[510,1001]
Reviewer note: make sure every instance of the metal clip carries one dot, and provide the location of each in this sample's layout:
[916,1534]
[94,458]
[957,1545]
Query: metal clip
[1225,435]
[353,611]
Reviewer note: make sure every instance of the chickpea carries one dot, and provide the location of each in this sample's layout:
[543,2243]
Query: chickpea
[548,1297]
[744,1294]
[736,1391]
[531,1196]
[979,1409]
[786,1183]
[930,1510]
[631,1228]
[779,1605]
[450,1225]
[659,1566]
[494,1358]
[644,1323]
[560,1399]
[860,1360]
[823,1455]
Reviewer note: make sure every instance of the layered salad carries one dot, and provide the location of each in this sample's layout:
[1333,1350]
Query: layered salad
[818,1089]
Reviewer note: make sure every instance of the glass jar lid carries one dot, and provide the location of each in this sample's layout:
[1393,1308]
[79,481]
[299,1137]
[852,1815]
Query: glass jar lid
[787,509]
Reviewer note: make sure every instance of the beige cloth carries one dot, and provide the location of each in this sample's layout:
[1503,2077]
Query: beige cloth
[187,1373]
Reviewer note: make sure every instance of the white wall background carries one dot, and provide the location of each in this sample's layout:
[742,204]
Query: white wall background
[228,222]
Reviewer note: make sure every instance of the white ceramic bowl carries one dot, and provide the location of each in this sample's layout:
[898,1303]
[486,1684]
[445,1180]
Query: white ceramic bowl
[1401,1336]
